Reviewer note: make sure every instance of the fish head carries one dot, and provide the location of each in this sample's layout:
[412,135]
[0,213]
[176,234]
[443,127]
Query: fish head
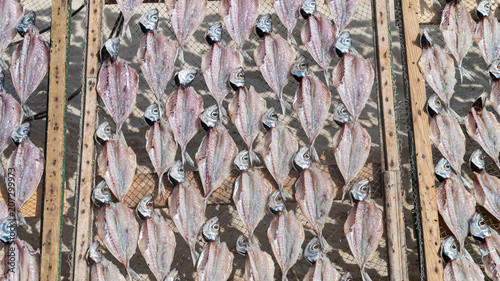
[145,207]
[211,229]
[361,190]
[434,105]
[94,253]
[185,77]
[20,133]
[494,69]
[149,20]
[209,117]
[480,102]
[299,68]
[343,43]
[302,159]
[8,230]
[276,202]
[103,133]
[110,49]
[152,114]
[443,170]
[237,79]
[313,251]
[101,195]
[270,119]
[25,23]
[477,161]
[242,160]
[263,25]
[177,174]
[173,276]
[242,245]
[214,34]
[308,8]
[340,113]
[483,9]
[449,249]
[478,227]
[347,277]
[426,39]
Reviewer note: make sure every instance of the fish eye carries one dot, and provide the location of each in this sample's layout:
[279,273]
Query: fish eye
[177,279]
[363,188]
[155,18]
[303,65]
[343,110]
[245,157]
[240,75]
[454,247]
[279,199]
[214,114]
[482,223]
[273,115]
[98,250]
[315,247]
[438,102]
[307,156]
[215,226]
[149,204]
[268,21]
[191,76]
[481,157]
[181,170]
[107,129]
[447,166]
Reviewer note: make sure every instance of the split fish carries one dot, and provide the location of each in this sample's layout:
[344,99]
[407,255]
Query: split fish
[274,57]
[491,259]
[352,77]
[216,153]
[343,12]
[156,56]
[484,127]
[128,9]
[494,72]
[10,118]
[259,265]
[251,193]
[457,27]
[26,266]
[312,104]
[285,234]
[459,266]
[455,204]
[364,226]
[322,269]
[101,269]
[216,261]
[186,208]
[185,16]
[318,35]
[351,146]
[288,12]
[246,111]
[446,134]
[314,191]
[239,16]
[117,165]
[487,34]
[156,239]
[10,13]
[486,186]
[30,60]
[183,109]
[160,144]
[217,64]
[279,148]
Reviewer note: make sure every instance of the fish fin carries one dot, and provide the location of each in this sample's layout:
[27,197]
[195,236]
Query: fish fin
[126,31]
[291,40]
[253,156]
[436,2]
[133,275]
[161,186]
[345,190]
[314,153]
[327,77]
[26,111]
[284,106]
[325,246]
[285,193]
[181,55]
[246,56]
[365,276]
[187,158]
[194,256]
[222,112]
[4,65]
[464,73]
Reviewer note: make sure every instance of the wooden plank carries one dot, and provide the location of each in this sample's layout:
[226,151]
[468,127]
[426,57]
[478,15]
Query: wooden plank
[56,140]
[420,123]
[83,230]
[392,185]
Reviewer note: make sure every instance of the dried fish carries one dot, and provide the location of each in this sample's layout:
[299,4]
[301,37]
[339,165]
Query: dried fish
[491,259]
[10,118]
[486,186]
[259,265]
[459,266]
[494,71]
[343,12]
[487,35]
[128,9]
[10,13]
[101,269]
[8,225]
[26,266]
[322,269]
[288,12]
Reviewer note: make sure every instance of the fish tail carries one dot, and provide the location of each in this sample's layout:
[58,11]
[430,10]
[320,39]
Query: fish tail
[314,152]
[187,158]
[455,115]
[126,31]
[436,2]
[345,190]
[365,276]
[132,275]
[2,169]
[222,112]
[26,111]
[253,156]
[464,73]
[291,39]
[324,245]
[284,105]
[194,255]
[181,55]
[20,218]
[4,65]
[327,77]
[285,194]
[246,56]
[161,186]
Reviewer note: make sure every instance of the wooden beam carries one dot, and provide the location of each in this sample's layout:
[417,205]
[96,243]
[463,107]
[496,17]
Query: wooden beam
[423,156]
[56,140]
[84,215]
[396,245]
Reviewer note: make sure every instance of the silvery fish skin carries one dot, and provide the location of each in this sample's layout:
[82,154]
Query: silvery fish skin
[288,11]
[117,164]
[438,68]
[487,34]
[183,109]
[364,228]
[286,235]
[250,195]
[239,16]
[185,16]
[318,35]
[457,27]
[149,21]
[259,265]
[101,269]
[353,78]
[8,225]
[246,111]
[10,12]
[215,262]
[312,104]
[128,9]
[446,134]
[173,276]
[156,57]
[214,34]
[460,266]
[27,264]
[342,11]
[279,148]
[10,118]
[117,86]
[275,56]
[119,231]
[156,239]
[484,127]
[20,133]
[486,186]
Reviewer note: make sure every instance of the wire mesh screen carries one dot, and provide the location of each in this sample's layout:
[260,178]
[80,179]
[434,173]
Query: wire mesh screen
[220,203]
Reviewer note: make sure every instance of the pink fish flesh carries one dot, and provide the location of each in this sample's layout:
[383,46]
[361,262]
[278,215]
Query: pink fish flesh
[288,12]
[26,266]
[343,12]
[259,265]
[10,118]
[128,9]
[487,38]
[215,263]
[105,271]
[322,270]
[10,13]
[486,190]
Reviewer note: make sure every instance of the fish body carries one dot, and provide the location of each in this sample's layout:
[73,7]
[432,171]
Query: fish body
[10,118]
[128,9]
[101,269]
[215,262]
[457,27]
[486,190]
[10,12]
[322,270]
[275,56]
[183,109]
[117,164]
[343,12]
[462,269]
[487,37]
[26,266]
[495,94]
[259,265]
[117,86]
[288,11]
[491,259]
